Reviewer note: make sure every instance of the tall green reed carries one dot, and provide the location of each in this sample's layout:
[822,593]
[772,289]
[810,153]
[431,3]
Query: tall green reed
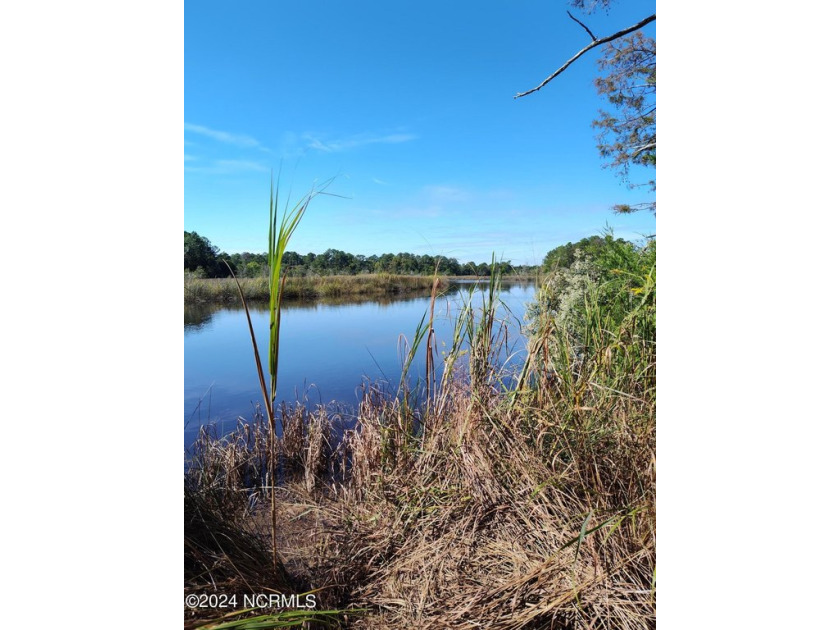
[278,240]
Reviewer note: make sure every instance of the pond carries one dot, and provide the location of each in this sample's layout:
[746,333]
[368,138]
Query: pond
[328,350]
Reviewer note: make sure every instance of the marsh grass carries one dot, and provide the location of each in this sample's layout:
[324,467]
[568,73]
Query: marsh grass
[225,290]
[481,504]
[224,549]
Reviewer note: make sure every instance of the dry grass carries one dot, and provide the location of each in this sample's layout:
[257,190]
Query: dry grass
[224,290]
[475,507]
[478,527]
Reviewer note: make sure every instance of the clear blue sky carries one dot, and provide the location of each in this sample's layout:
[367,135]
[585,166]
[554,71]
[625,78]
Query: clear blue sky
[410,107]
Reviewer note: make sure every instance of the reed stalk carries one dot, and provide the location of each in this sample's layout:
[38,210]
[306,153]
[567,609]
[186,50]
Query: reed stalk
[278,241]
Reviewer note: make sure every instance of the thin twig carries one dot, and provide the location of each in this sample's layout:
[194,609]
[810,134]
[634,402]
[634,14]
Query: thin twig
[583,25]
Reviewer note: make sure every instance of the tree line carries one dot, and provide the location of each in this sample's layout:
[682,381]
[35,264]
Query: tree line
[205,259]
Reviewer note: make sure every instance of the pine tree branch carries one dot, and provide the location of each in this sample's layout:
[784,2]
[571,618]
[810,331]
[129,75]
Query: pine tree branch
[593,44]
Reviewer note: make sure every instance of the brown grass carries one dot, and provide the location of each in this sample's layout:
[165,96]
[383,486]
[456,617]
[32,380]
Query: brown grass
[224,290]
[480,508]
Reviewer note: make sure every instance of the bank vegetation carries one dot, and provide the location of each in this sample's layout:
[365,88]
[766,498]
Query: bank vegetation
[224,290]
[475,499]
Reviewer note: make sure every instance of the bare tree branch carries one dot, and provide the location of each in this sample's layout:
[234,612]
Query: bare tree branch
[593,44]
[650,146]
[583,25]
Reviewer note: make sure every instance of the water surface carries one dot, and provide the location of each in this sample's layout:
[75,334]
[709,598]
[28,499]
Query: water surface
[327,350]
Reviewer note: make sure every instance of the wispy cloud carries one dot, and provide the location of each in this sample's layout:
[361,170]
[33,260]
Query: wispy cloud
[239,140]
[448,194]
[229,167]
[447,199]
[353,142]
[188,158]
[431,211]
[427,211]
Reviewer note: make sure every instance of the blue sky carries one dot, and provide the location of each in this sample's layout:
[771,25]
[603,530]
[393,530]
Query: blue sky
[409,106]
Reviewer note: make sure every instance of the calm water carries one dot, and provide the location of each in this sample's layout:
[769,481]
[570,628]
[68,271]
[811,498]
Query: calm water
[327,350]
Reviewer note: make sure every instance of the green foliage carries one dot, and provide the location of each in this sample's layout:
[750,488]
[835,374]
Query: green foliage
[253,269]
[594,247]
[278,240]
[608,294]
[200,253]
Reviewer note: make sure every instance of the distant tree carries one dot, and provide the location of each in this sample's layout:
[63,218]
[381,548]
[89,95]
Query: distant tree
[560,257]
[593,247]
[427,265]
[406,263]
[235,261]
[253,269]
[203,258]
[361,264]
[319,264]
[200,252]
[292,259]
[386,264]
[344,263]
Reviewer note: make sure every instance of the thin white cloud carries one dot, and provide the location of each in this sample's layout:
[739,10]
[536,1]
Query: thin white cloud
[448,194]
[376,180]
[188,158]
[229,167]
[353,142]
[239,140]
[457,196]
[242,165]
[399,212]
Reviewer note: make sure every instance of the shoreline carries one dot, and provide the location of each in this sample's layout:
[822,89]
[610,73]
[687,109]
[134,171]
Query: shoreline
[225,291]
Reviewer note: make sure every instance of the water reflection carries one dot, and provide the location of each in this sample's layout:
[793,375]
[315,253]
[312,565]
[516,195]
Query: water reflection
[197,316]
